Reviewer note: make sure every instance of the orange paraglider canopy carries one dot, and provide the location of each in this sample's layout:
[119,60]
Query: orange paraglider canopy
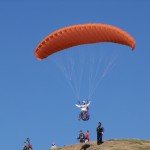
[81,34]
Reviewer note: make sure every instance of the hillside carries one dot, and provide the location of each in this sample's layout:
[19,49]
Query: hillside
[115,144]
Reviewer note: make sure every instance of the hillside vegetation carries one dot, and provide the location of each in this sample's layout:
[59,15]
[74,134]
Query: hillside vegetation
[114,144]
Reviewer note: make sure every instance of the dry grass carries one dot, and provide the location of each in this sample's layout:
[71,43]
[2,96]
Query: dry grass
[114,144]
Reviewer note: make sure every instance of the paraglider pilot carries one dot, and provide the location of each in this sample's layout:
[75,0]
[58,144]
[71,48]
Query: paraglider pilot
[84,109]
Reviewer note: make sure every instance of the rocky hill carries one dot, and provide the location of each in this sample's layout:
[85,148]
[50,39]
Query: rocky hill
[114,144]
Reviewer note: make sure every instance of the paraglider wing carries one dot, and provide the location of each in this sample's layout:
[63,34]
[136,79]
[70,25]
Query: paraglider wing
[81,34]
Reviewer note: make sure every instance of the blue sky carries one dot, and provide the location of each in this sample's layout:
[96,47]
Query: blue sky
[35,98]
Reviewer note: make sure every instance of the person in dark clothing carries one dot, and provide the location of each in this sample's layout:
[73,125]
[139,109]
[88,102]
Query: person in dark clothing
[81,137]
[99,131]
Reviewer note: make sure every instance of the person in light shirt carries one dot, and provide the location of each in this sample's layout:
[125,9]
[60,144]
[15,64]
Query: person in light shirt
[53,146]
[84,108]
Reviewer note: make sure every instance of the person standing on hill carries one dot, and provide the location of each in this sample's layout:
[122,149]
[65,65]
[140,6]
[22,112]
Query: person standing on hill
[53,146]
[25,146]
[29,145]
[87,136]
[99,131]
[81,137]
